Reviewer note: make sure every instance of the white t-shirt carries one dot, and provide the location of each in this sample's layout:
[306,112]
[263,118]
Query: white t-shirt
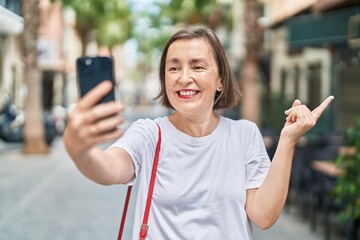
[201,183]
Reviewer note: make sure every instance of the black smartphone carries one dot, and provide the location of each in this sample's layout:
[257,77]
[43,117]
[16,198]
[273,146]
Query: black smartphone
[93,70]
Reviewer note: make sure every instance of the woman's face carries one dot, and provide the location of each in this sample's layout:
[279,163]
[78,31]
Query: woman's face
[191,76]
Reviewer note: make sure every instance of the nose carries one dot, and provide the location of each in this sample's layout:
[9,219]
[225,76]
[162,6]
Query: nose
[185,77]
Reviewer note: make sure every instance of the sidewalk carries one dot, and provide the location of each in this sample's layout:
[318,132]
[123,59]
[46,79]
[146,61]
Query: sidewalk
[45,197]
[288,227]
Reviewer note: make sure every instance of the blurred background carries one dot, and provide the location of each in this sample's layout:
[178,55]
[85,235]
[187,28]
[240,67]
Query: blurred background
[279,50]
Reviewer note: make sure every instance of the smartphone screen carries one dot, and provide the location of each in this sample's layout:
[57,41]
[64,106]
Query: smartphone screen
[93,70]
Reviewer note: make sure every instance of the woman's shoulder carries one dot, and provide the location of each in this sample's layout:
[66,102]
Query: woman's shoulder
[241,123]
[146,124]
[241,127]
[244,130]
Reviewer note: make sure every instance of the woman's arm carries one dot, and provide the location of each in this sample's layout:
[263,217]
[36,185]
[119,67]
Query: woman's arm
[264,205]
[90,124]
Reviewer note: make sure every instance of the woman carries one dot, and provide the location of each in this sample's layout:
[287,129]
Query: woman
[214,175]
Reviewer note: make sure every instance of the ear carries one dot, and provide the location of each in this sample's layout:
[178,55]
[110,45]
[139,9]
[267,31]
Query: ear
[219,87]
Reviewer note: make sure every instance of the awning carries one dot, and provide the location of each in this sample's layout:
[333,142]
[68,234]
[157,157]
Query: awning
[10,23]
[323,29]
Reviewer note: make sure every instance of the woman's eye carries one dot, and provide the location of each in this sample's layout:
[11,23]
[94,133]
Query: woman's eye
[198,68]
[172,69]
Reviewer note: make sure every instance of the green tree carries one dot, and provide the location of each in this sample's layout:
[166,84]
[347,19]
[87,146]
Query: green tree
[208,12]
[115,25]
[347,190]
[111,20]
[151,29]
[34,132]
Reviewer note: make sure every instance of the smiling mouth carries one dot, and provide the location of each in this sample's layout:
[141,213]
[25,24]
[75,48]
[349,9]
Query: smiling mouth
[187,93]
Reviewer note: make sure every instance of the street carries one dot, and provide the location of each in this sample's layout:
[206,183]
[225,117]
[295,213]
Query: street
[45,197]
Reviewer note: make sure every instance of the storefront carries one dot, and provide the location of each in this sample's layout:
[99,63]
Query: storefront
[316,53]
[338,31]
[11,26]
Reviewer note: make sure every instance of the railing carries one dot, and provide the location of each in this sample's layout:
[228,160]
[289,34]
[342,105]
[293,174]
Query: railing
[12,5]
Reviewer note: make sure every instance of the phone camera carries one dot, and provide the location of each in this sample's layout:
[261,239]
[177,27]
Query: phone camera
[88,62]
[86,66]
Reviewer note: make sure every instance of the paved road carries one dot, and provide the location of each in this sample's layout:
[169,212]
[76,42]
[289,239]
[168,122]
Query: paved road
[44,197]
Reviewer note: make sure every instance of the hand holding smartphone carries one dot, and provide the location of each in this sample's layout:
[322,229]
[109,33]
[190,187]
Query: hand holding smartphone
[93,70]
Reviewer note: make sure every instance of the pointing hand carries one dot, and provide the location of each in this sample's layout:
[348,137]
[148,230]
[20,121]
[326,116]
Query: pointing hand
[300,119]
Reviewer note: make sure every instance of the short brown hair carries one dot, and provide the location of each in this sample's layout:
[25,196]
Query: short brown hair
[230,94]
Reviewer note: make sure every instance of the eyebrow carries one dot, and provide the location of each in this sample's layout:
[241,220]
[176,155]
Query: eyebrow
[194,60]
[173,60]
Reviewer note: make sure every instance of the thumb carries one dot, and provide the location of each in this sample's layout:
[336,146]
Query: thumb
[296,103]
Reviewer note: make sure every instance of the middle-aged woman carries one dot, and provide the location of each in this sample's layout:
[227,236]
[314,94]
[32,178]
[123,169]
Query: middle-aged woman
[214,175]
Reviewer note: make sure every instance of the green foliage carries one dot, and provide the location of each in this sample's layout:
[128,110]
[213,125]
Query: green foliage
[273,108]
[347,190]
[115,25]
[160,21]
[150,24]
[212,13]
[111,19]
[115,22]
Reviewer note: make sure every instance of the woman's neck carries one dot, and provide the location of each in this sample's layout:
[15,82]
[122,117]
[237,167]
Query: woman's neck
[199,126]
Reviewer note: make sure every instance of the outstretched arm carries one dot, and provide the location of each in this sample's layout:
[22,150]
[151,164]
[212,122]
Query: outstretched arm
[264,205]
[90,124]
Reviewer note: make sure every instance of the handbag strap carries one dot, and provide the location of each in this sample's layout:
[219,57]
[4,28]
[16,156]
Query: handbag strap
[144,226]
[127,200]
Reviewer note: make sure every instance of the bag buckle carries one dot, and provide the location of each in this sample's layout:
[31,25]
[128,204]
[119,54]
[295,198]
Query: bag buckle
[143,230]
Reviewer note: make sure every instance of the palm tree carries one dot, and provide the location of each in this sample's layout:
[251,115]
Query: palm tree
[206,12]
[114,25]
[250,78]
[34,132]
[110,20]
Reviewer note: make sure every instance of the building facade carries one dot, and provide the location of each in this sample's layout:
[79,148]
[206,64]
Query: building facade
[315,52]
[11,26]
[58,47]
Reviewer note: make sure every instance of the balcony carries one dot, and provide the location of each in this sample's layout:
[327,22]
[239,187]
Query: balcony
[10,20]
[11,5]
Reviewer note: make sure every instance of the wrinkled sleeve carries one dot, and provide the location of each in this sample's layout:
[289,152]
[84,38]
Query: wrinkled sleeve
[258,162]
[138,141]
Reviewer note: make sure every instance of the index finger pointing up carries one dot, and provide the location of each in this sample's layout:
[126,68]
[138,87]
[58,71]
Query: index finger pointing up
[321,108]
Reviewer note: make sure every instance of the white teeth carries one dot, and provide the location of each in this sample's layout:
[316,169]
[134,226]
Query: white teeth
[187,93]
